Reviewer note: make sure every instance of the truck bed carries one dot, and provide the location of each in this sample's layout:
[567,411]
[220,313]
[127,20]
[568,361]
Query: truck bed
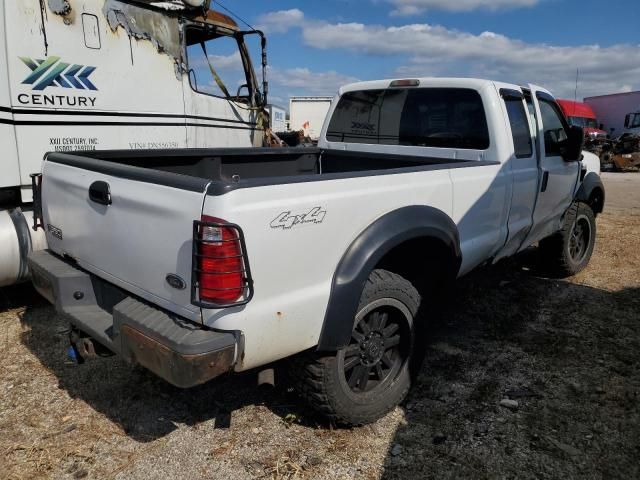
[93,200]
[230,168]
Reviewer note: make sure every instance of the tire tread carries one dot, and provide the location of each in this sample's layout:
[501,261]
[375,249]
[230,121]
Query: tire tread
[554,256]
[309,371]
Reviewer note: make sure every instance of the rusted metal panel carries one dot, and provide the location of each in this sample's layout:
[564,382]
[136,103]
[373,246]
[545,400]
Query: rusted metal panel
[217,18]
[627,161]
[160,29]
[622,153]
[183,371]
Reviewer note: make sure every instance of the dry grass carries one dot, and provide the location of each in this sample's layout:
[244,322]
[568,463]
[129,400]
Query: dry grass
[568,351]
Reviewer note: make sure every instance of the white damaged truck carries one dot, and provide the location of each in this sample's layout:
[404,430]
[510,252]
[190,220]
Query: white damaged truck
[194,263]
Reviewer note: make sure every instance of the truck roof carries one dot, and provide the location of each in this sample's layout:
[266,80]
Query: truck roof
[576,109]
[213,17]
[435,82]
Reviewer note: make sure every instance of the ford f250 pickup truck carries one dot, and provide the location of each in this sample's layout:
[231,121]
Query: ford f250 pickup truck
[198,262]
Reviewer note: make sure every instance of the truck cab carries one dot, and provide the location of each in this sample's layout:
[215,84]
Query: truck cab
[582,115]
[81,75]
[632,123]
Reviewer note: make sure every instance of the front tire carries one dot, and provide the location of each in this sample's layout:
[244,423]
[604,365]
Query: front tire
[568,251]
[366,379]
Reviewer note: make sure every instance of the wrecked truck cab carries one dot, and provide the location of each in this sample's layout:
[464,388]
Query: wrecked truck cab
[212,45]
[174,31]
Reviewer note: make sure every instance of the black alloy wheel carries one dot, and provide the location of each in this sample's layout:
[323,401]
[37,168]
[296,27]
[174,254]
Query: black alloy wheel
[580,239]
[379,348]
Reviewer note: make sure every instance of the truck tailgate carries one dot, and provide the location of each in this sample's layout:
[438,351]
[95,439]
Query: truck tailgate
[133,230]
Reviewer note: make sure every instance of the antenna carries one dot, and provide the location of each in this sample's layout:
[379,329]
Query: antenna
[575,95]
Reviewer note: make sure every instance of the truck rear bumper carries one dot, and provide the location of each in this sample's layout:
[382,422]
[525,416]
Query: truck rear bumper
[179,351]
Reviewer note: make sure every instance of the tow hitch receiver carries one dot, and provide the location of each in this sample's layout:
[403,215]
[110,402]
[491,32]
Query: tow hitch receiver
[83,348]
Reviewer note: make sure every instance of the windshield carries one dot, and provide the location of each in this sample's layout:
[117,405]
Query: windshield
[215,65]
[636,121]
[583,122]
[423,117]
[576,121]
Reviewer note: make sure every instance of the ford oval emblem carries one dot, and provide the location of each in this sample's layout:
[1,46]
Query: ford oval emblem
[176,282]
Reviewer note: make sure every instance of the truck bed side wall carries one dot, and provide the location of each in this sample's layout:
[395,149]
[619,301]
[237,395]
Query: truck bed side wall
[296,235]
[230,169]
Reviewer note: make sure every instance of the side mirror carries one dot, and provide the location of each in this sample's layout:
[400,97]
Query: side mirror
[572,147]
[238,93]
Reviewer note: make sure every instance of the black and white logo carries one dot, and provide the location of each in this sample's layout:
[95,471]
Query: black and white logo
[176,282]
[287,220]
[55,231]
[367,127]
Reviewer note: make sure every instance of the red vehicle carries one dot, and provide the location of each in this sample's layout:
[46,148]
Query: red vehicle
[581,115]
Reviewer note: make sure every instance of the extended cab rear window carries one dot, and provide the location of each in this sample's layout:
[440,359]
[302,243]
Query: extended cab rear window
[422,117]
[519,127]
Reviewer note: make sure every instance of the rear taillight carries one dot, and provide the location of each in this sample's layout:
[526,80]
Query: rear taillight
[221,271]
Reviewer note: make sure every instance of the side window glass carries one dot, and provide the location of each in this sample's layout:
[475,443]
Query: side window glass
[519,127]
[554,131]
[216,69]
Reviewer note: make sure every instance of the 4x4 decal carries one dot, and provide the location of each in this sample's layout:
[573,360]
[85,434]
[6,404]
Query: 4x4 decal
[286,220]
[54,73]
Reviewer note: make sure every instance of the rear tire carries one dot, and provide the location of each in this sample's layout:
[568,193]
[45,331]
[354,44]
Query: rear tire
[568,251]
[366,379]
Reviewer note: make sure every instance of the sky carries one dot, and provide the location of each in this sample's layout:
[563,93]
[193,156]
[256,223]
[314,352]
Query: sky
[316,46]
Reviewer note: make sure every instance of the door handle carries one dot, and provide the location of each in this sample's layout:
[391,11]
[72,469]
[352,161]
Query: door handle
[545,181]
[100,192]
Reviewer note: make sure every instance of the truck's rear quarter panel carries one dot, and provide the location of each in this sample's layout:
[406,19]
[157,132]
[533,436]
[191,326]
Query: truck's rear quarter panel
[292,268]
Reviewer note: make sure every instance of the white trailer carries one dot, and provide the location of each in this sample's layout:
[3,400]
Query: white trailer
[308,114]
[618,111]
[277,118]
[114,74]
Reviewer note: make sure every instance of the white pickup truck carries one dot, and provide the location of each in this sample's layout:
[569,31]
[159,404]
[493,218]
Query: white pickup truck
[197,262]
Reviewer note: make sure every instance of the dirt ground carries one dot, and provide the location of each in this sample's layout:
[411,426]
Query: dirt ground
[568,352]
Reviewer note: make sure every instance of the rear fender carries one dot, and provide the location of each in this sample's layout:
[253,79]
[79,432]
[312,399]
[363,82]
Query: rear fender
[366,251]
